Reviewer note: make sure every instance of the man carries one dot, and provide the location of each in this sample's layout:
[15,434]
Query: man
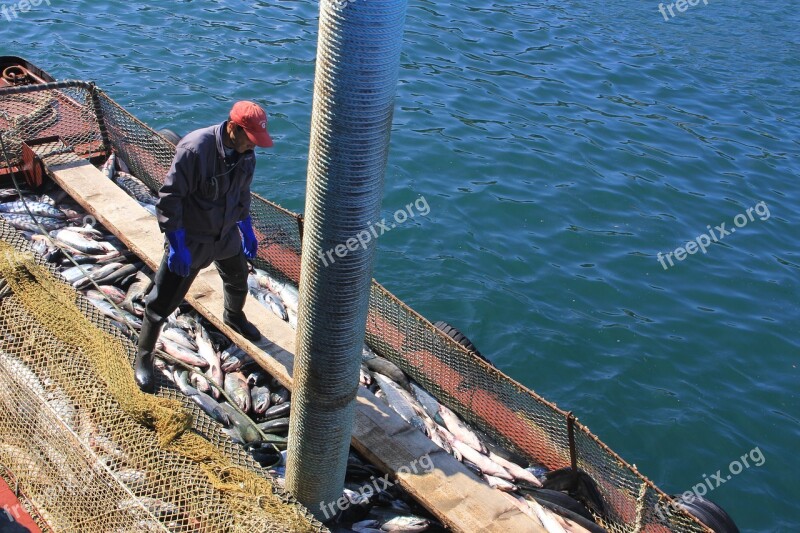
[203,207]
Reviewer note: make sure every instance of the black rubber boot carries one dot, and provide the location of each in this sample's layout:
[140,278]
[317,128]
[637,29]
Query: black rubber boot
[235,319]
[143,364]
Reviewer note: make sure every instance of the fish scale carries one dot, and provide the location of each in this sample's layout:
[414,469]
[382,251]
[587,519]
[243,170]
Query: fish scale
[38,209]
[135,188]
[206,352]
[26,223]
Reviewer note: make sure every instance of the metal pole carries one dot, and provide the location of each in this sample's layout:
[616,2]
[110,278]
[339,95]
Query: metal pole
[358,58]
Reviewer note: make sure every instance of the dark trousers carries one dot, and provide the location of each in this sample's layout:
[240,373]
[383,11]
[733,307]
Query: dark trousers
[169,289]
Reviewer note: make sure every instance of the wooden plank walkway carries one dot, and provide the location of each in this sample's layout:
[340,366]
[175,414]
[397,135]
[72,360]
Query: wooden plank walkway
[451,492]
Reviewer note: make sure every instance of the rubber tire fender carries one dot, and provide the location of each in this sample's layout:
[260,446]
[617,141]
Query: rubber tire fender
[460,338]
[708,513]
[170,135]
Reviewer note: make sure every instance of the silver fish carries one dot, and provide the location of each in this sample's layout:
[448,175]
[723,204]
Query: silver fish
[119,315]
[87,230]
[116,294]
[119,274]
[398,402]
[135,188]
[46,199]
[136,293]
[436,436]
[179,336]
[500,484]
[259,377]
[186,322]
[427,401]
[77,273]
[259,399]
[287,293]
[25,222]
[109,168]
[405,524]
[206,352]
[365,378]
[166,370]
[237,389]
[63,407]
[515,470]
[235,362]
[98,274]
[8,193]
[387,368]
[212,408]
[252,284]
[107,446]
[545,516]
[243,429]
[182,354]
[460,430]
[230,351]
[22,373]
[77,241]
[28,463]
[367,526]
[199,381]
[280,396]
[40,247]
[486,465]
[273,303]
[181,379]
[123,166]
[355,498]
[142,526]
[38,209]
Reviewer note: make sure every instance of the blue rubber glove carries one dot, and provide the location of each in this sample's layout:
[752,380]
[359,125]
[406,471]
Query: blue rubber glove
[179,260]
[249,241]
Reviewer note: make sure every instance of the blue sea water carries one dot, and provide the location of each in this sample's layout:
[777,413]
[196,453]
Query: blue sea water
[560,146]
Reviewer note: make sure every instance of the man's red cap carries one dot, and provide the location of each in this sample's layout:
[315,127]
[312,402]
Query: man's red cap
[253,120]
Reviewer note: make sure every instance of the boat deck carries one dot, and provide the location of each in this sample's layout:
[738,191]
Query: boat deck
[449,491]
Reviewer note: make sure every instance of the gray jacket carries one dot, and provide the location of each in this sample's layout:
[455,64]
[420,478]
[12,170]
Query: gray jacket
[200,194]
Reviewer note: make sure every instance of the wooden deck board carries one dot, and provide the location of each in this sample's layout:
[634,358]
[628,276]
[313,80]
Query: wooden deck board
[450,491]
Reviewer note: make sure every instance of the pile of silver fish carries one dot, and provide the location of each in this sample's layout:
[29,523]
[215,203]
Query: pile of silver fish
[43,456]
[253,407]
[129,183]
[250,405]
[500,469]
